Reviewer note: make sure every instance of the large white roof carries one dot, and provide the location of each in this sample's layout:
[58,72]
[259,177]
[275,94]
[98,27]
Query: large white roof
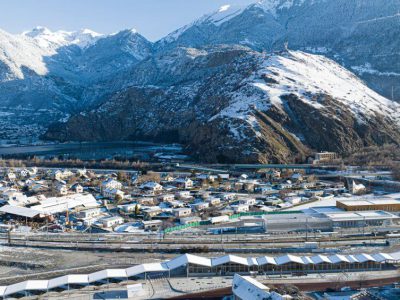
[61,204]
[281,260]
[264,260]
[20,211]
[229,259]
[185,259]
[188,258]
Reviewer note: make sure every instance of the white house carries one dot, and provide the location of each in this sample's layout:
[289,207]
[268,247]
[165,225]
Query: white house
[11,176]
[112,221]
[188,220]
[151,186]
[62,174]
[240,208]
[112,193]
[111,184]
[131,207]
[89,213]
[182,212]
[166,197]
[293,200]
[61,189]
[183,195]
[208,177]
[248,201]
[185,183]
[151,225]
[213,201]
[201,206]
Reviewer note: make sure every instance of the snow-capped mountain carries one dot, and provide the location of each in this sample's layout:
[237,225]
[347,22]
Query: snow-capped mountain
[360,34]
[234,104]
[48,39]
[59,73]
[225,85]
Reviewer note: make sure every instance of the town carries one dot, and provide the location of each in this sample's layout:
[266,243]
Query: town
[208,220]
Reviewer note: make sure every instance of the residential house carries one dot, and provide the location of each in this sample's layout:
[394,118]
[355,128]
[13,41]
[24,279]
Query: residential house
[214,201]
[248,201]
[239,208]
[166,197]
[88,213]
[183,195]
[184,183]
[113,193]
[129,208]
[111,184]
[61,189]
[201,206]
[182,212]
[189,220]
[77,188]
[11,176]
[152,211]
[112,221]
[151,186]
[152,225]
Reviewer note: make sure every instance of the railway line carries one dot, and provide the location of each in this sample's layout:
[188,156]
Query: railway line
[198,245]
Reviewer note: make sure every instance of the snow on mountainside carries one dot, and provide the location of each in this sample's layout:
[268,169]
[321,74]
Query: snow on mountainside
[305,75]
[232,104]
[352,32]
[224,85]
[48,39]
[227,12]
[17,52]
[30,49]
[55,74]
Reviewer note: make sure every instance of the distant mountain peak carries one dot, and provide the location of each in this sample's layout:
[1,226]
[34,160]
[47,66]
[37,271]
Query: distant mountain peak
[224,8]
[37,31]
[46,38]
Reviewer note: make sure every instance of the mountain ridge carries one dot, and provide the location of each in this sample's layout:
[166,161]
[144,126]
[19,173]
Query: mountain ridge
[233,104]
[225,85]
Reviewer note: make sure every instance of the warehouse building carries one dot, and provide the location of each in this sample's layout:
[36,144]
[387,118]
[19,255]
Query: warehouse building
[386,204]
[349,219]
[326,219]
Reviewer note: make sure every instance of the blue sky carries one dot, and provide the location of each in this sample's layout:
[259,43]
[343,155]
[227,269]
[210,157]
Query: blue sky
[152,18]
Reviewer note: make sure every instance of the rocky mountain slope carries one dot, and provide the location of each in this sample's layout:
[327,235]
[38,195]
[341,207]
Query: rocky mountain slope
[360,34]
[224,85]
[47,76]
[63,71]
[233,104]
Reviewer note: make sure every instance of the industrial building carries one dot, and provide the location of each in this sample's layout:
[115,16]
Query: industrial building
[326,219]
[193,265]
[386,204]
[326,156]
